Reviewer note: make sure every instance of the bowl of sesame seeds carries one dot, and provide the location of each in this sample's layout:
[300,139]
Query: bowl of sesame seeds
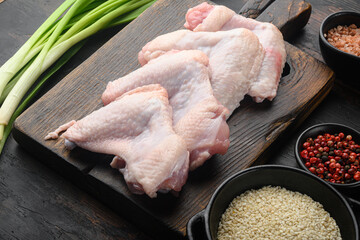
[274,202]
[339,40]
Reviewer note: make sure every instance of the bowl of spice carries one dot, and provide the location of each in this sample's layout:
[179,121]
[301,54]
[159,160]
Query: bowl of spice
[331,152]
[339,41]
[274,202]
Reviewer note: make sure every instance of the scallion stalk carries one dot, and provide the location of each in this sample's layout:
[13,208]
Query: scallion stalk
[71,23]
[61,62]
[15,63]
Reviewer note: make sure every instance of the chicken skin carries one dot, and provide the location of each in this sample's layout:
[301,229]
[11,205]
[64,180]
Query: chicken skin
[209,18]
[235,58]
[137,128]
[197,115]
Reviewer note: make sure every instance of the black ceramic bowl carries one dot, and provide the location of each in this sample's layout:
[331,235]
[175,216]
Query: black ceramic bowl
[345,65]
[290,178]
[331,128]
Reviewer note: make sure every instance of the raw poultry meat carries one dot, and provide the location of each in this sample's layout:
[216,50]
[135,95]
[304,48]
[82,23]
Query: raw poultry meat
[169,116]
[235,58]
[209,18]
[197,116]
[136,128]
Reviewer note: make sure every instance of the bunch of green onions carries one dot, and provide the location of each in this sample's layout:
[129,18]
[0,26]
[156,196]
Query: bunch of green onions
[52,45]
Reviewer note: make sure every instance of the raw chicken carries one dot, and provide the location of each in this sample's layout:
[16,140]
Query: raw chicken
[197,116]
[235,58]
[209,18]
[137,129]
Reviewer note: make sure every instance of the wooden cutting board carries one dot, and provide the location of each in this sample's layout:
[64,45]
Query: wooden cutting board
[253,127]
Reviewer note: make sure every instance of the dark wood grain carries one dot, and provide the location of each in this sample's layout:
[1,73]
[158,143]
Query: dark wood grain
[253,8]
[254,127]
[37,203]
[289,24]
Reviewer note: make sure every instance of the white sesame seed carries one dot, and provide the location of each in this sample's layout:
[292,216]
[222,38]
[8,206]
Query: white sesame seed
[276,213]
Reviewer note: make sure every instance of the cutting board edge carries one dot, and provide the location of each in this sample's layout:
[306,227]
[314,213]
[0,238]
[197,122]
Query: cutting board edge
[86,182]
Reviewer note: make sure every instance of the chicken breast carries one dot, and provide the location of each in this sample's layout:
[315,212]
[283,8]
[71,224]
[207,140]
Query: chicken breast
[235,58]
[137,128]
[209,18]
[197,115]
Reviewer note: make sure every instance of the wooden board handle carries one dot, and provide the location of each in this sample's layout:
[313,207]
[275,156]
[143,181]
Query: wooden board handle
[253,8]
[288,15]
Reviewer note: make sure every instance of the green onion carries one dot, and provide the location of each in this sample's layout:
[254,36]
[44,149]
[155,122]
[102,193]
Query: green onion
[71,23]
[64,59]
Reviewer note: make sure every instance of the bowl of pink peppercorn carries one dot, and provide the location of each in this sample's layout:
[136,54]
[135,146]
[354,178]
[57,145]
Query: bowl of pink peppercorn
[331,151]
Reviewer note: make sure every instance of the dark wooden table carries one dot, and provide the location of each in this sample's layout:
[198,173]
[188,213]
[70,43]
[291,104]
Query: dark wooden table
[37,203]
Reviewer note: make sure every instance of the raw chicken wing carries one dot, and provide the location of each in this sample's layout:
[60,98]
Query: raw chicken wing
[137,129]
[209,18]
[235,58]
[197,116]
